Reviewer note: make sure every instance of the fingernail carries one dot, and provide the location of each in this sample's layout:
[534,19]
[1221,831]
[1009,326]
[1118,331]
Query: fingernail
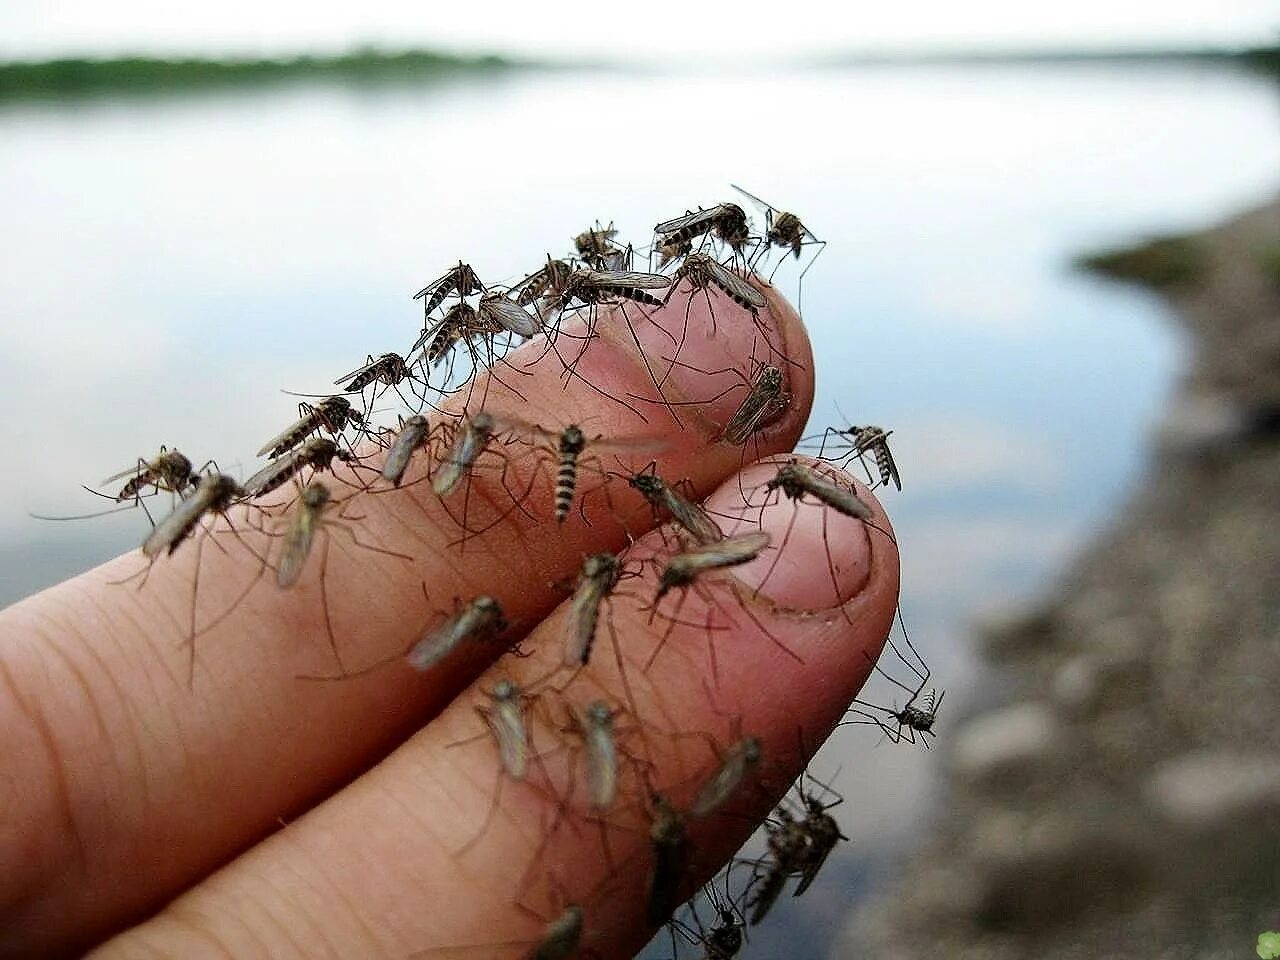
[817,559]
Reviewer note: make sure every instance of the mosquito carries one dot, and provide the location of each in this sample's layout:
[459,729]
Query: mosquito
[684,570]
[597,248]
[471,438]
[671,850]
[911,719]
[741,758]
[413,434]
[213,494]
[497,310]
[460,323]
[764,403]
[920,712]
[858,442]
[460,280]
[388,368]
[568,446]
[600,574]
[170,470]
[784,229]
[795,481]
[726,221]
[470,441]
[318,453]
[463,324]
[692,518]
[724,940]
[767,398]
[595,724]
[332,414]
[703,271]
[822,831]
[548,282]
[788,843]
[504,715]
[303,521]
[594,287]
[481,620]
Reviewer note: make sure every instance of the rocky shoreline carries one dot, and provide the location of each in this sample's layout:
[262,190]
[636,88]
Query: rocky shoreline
[1127,803]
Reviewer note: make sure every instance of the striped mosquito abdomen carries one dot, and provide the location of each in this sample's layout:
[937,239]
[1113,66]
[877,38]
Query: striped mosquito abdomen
[572,443]
[317,453]
[331,413]
[170,470]
[875,440]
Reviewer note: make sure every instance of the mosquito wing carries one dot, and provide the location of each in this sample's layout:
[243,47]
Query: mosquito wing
[508,315]
[729,551]
[412,433]
[692,517]
[754,199]
[627,279]
[137,470]
[297,546]
[583,620]
[506,720]
[734,285]
[359,371]
[698,221]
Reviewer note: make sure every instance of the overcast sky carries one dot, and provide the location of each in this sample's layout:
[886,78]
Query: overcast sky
[31,28]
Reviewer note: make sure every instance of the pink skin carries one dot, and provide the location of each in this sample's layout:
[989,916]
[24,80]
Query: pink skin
[116,768]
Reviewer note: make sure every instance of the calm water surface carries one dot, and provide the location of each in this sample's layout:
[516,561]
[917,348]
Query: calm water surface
[169,262]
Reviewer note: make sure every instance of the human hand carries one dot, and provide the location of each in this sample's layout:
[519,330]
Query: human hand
[133,797]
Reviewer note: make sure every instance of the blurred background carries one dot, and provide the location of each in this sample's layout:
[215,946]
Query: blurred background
[205,205]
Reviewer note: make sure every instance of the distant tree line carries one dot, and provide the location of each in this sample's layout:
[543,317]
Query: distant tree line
[76,75]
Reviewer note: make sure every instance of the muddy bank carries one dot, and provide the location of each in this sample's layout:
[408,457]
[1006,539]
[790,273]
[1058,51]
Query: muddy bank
[1126,803]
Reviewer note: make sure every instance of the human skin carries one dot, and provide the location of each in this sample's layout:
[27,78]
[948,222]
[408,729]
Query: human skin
[166,800]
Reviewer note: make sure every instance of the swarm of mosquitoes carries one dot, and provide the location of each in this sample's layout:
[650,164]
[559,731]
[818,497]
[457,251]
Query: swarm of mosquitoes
[469,329]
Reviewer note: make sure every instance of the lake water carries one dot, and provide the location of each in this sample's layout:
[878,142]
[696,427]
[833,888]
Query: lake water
[168,262]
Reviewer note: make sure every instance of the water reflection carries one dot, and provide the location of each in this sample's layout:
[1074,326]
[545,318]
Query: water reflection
[169,264]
